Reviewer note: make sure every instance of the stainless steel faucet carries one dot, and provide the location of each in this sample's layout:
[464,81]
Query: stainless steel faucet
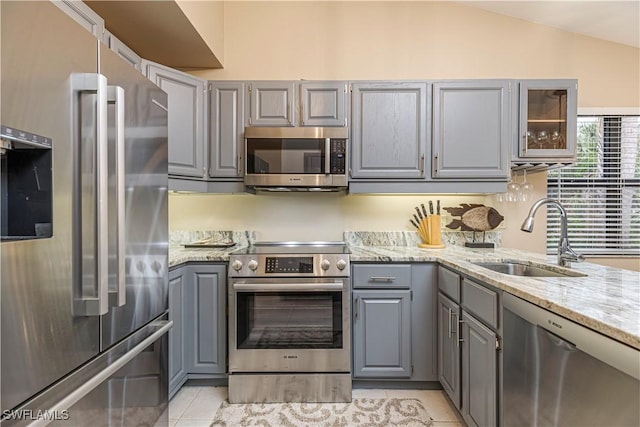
[566,255]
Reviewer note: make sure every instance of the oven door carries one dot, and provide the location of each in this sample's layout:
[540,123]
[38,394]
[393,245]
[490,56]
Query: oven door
[289,325]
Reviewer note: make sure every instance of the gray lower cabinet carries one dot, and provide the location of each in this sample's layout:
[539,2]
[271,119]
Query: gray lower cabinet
[479,373]
[272,103]
[394,318]
[468,346]
[197,306]
[323,103]
[449,348]
[472,129]
[226,136]
[177,313]
[206,321]
[186,120]
[389,131]
[382,334]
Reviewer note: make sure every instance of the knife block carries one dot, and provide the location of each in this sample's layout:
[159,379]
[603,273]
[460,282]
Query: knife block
[430,233]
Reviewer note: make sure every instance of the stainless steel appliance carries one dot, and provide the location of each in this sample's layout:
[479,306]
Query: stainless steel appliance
[296,158]
[84,228]
[289,323]
[559,373]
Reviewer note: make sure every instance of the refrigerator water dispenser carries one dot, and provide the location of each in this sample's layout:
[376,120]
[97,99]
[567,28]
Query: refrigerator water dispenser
[25,171]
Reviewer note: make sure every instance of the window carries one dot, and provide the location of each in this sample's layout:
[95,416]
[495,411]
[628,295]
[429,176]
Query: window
[601,191]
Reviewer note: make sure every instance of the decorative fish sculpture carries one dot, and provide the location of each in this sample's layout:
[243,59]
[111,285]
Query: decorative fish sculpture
[474,217]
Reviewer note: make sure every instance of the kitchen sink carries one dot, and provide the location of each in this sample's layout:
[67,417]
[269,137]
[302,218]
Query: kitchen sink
[521,269]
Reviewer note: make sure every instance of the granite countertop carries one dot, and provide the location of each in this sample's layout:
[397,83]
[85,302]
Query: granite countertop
[606,300]
[178,254]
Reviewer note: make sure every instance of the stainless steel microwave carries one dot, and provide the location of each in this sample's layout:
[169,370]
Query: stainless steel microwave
[296,158]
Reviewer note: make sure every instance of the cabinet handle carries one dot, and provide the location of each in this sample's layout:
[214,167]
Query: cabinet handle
[289,112]
[356,308]
[423,160]
[435,164]
[450,316]
[301,113]
[382,279]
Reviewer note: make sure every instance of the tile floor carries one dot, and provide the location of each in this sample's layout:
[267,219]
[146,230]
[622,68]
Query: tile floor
[195,406]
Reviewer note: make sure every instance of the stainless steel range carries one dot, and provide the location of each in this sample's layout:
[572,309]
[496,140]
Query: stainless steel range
[289,323]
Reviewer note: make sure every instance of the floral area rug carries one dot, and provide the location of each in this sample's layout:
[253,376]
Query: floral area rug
[360,412]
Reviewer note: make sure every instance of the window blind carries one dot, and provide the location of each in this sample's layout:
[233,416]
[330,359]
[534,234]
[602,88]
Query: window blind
[601,191]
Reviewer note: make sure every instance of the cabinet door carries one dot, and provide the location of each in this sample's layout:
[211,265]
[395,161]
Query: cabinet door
[226,145]
[177,289]
[479,378]
[271,103]
[471,129]
[548,114]
[83,15]
[382,334]
[424,318]
[389,130]
[449,348]
[124,51]
[187,150]
[206,340]
[323,104]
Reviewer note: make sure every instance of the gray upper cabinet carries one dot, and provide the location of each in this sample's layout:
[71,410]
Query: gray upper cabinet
[272,103]
[471,129]
[323,103]
[389,130]
[548,120]
[479,373]
[124,51]
[85,16]
[227,121]
[382,334]
[187,116]
[206,301]
[449,348]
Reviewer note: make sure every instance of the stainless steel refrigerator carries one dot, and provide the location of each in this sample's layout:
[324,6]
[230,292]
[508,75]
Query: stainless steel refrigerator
[84,228]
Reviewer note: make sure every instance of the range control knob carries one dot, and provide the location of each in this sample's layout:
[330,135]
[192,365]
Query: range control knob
[325,264]
[253,265]
[236,265]
[341,264]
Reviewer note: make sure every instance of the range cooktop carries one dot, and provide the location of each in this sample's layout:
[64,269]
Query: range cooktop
[296,248]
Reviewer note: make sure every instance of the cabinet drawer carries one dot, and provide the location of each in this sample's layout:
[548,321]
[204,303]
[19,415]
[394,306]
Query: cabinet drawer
[382,276]
[449,283]
[481,301]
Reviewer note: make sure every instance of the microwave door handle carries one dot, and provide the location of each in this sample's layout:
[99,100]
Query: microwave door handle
[118,297]
[327,156]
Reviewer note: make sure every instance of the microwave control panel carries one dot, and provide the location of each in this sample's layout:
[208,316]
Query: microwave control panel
[338,156]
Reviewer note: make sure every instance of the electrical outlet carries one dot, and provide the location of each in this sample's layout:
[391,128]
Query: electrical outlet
[149,266]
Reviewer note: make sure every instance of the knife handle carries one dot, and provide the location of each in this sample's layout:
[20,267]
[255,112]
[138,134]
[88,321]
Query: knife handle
[419,214]
[430,207]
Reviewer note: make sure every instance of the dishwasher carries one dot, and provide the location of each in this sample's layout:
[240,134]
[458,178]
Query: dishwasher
[559,373]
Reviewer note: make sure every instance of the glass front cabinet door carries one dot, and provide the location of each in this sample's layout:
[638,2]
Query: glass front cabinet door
[548,110]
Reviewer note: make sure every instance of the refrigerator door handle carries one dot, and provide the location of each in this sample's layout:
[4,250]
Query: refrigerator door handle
[118,298]
[91,240]
[72,398]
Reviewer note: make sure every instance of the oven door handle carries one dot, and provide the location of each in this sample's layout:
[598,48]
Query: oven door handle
[278,287]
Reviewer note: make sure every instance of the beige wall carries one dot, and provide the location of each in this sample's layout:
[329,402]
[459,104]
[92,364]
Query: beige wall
[394,40]
[207,18]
